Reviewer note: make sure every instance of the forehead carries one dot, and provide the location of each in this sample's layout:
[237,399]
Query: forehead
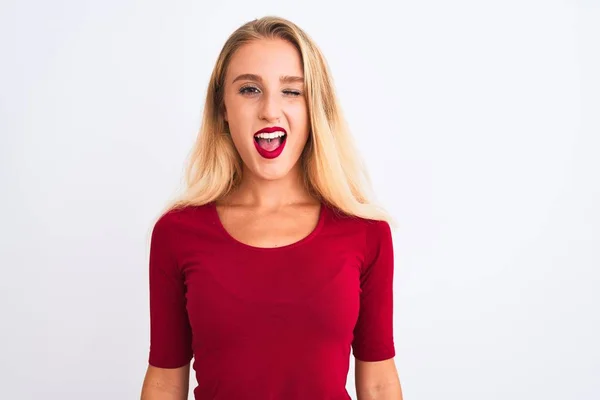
[269,58]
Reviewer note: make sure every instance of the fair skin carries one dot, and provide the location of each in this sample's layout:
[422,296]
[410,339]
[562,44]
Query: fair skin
[271,207]
[166,383]
[377,380]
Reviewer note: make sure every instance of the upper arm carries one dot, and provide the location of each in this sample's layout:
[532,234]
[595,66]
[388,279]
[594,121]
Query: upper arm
[166,383]
[377,380]
[373,344]
[170,330]
[373,333]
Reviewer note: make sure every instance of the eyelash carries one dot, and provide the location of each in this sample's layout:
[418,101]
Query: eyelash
[293,93]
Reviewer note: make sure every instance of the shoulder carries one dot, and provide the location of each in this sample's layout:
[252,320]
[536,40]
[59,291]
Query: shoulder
[350,223]
[183,218]
[376,229]
[368,234]
[378,236]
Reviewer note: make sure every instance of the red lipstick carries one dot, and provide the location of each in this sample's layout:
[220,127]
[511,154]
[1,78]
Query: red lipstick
[270,147]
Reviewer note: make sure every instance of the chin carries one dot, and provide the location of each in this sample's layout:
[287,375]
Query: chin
[271,172]
[270,169]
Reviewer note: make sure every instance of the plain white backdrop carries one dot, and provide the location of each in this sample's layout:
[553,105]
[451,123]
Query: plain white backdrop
[479,122]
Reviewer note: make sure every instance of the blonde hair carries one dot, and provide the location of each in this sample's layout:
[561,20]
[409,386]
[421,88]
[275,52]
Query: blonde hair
[333,171]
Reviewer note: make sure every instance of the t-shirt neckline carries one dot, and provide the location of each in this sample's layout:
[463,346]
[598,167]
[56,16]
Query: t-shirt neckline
[307,238]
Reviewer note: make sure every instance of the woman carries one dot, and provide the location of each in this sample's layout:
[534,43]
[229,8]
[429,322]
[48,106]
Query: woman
[274,263]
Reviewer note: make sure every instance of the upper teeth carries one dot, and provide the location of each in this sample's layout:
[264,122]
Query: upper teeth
[271,135]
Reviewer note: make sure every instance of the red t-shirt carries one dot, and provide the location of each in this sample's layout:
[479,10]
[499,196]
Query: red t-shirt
[269,323]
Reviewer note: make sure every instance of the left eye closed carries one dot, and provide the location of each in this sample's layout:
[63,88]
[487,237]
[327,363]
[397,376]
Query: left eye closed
[293,93]
[251,90]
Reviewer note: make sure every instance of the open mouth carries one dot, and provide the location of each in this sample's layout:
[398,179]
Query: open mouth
[270,141]
[270,144]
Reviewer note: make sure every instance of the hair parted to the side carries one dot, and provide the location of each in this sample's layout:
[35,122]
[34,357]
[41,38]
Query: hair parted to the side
[333,170]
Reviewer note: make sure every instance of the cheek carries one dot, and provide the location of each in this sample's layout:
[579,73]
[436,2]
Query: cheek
[240,120]
[236,108]
[299,119]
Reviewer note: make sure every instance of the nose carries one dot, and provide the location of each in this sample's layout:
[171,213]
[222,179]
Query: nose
[270,107]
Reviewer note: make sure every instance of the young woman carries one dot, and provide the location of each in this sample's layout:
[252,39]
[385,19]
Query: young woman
[274,264]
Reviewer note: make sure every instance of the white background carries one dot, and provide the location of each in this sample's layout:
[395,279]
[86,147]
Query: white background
[479,121]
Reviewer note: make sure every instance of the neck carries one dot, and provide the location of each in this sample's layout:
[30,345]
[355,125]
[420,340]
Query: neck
[257,192]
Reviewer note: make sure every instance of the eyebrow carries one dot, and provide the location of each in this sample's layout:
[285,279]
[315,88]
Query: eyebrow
[258,78]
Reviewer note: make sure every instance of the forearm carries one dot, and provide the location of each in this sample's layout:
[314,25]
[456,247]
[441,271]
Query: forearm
[156,392]
[377,380]
[166,383]
[389,391]
[161,386]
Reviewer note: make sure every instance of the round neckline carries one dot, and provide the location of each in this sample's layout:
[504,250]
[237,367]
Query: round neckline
[311,235]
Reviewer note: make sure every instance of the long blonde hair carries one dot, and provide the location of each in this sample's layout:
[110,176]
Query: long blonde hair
[333,170]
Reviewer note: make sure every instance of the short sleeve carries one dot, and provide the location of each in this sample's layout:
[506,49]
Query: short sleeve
[170,332]
[373,333]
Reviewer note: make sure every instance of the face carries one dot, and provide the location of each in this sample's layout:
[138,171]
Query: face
[265,107]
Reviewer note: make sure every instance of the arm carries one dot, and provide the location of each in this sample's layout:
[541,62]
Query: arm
[377,380]
[376,377]
[168,373]
[166,383]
